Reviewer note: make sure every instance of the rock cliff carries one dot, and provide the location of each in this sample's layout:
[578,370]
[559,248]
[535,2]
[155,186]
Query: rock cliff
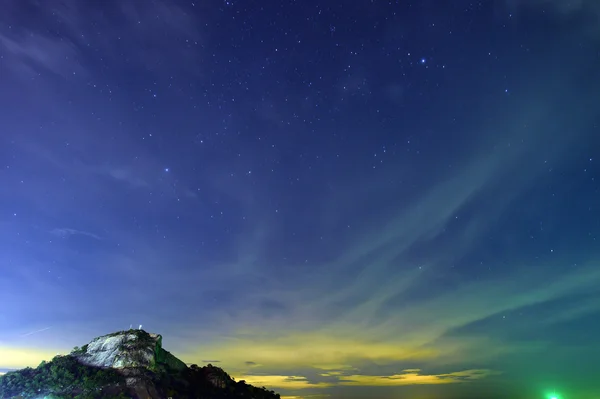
[133,348]
[126,364]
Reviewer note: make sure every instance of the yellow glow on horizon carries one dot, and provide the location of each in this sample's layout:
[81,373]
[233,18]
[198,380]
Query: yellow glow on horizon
[281,381]
[407,378]
[334,367]
[337,357]
[414,378]
[18,358]
[274,363]
[332,374]
[309,350]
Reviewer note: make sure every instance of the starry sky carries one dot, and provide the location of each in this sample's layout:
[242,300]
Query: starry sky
[360,200]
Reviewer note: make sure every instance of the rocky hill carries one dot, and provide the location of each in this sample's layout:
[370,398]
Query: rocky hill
[126,364]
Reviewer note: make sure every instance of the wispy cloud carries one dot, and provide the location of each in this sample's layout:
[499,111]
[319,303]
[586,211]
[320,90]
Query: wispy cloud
[386,333]
[586,13]
[127,176]
[67,232]
[563,7]
[150,176]
[33,53]
[32,48]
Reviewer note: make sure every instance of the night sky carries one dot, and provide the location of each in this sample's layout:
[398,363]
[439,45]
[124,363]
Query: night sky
[335,199]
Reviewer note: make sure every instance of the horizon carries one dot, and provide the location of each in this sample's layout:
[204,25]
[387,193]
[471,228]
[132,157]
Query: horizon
[350,200]
[257,382]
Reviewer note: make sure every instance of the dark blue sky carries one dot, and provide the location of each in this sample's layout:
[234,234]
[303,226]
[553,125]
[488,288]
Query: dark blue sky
[364,199]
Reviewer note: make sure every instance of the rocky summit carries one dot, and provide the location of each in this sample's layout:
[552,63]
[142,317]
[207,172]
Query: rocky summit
[126,364]
[133,348]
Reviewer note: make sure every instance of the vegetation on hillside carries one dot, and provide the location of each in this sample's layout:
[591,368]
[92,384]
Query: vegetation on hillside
[63,377]
[211,382]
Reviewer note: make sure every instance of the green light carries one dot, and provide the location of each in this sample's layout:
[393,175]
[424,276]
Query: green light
[553,395]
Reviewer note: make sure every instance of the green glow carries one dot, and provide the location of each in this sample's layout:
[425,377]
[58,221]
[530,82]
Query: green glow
[553,395]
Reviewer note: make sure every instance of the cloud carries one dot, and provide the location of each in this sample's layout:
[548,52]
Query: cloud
[408,334]
[408,377]
[147,175]
[138,36]
[92,177]
[559,6]
[584,13]
[127,176]
[282,381]
[33,53]
[67,232]
[413,377]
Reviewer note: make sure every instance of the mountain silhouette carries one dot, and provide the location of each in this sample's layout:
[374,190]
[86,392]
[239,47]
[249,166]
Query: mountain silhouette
[128,364]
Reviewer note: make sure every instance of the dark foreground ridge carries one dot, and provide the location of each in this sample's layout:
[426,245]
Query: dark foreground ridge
[126,364]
